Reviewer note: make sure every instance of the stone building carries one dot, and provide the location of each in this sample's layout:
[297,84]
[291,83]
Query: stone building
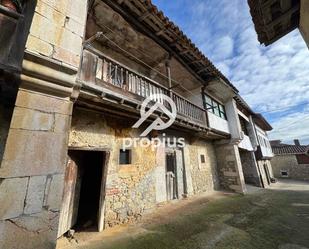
[72,82]
[254,149]
[276,18]
[290,161]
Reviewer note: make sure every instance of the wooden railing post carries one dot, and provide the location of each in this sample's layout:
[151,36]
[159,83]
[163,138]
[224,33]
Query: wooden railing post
[169,77]
[98,66]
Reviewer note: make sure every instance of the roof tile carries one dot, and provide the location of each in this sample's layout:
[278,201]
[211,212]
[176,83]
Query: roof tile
[286,149]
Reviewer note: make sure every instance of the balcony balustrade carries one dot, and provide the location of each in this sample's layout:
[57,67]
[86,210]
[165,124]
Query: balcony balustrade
[104,71]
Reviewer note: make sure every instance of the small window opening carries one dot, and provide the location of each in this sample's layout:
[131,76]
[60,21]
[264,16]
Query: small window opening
[284,173]
[203,159]
[124,157]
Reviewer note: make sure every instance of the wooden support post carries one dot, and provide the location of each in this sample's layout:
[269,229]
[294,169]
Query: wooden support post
[169,77]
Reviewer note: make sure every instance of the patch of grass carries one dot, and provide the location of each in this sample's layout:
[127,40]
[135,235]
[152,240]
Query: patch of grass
[265,220]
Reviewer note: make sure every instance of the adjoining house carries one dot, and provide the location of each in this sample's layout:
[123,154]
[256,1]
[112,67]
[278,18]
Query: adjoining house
[255,150]
[274,19]
[290,161]
[69,101]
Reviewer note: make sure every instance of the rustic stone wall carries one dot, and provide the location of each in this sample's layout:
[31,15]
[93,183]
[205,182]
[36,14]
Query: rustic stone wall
[34,156]
[250,168]
[289,162]
[32,171]
[229,168]
[57,30]
[130,189]
[204,175]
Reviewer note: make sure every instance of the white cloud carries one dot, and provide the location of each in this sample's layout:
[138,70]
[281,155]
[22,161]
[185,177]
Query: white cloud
[224,48]
[273,80]
[290,127]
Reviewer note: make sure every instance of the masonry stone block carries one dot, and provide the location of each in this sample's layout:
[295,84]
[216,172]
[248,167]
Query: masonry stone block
[29,119]
[37,45]
[188,170]
[12,197]
[230,168]
[66,56]
[43,102]
[74,26]
[51,33]
[62,123]
[35,194]
[71,42]
[60,5]
[204,175]
[48,11]
[77,10]
[54,192]
[31,231]
[29,153]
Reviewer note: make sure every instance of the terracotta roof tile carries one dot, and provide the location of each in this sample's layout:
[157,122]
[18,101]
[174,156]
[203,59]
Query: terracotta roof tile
[182,40]
[286,149]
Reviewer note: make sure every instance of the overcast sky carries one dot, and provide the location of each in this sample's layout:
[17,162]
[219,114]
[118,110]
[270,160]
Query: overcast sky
[273,80]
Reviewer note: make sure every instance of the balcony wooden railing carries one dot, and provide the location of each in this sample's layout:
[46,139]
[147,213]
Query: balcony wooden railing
[100,69]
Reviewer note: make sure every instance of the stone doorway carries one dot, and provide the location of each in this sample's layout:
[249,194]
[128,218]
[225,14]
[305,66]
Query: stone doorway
[84,191]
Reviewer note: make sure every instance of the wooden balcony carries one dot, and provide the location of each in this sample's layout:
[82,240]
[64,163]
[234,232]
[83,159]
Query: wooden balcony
[120,83]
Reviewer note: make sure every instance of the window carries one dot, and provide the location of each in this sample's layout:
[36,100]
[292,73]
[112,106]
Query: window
[125,157]
[203,159]
[263,141]
[214,107]
[284,173]
[243,124]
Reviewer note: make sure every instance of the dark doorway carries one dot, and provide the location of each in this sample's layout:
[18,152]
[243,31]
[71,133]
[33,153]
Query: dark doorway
[91,167]
[82,191]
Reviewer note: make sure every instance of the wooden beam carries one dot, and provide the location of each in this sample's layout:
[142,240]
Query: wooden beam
[144,16]
[160,32]
[174,43]
[160,60]
[285,15]
[196,61]
[275,38]
[268,3]
[202,70]
[184,51]
[146,31]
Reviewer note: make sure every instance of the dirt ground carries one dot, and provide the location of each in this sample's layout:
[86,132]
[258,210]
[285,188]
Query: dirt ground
[262,219]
